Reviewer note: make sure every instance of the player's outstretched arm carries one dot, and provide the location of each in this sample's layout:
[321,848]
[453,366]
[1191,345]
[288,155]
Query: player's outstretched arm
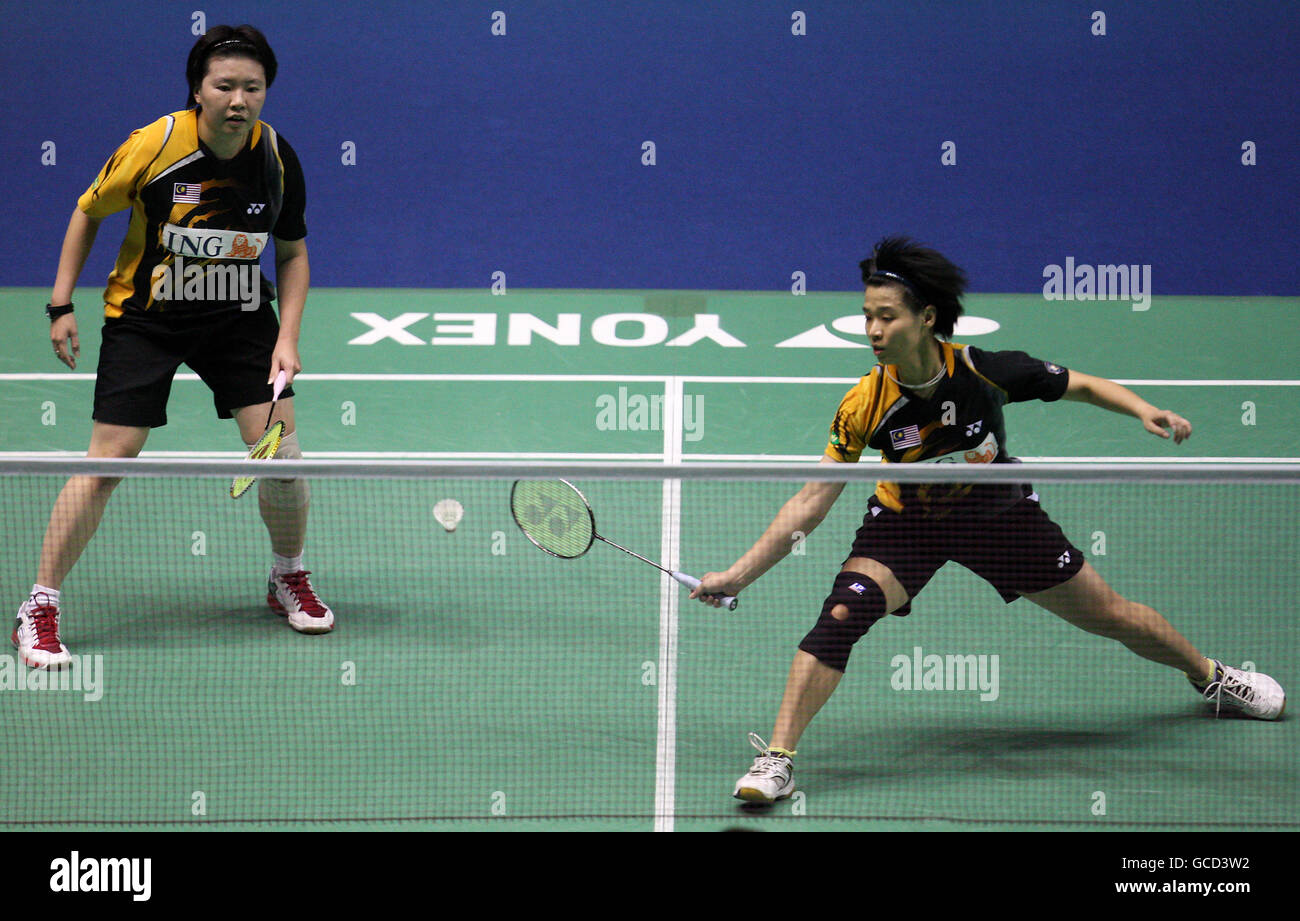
[803,512]
[1107,394]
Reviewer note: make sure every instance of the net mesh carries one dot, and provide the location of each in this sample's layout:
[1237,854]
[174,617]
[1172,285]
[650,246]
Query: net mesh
[472,680]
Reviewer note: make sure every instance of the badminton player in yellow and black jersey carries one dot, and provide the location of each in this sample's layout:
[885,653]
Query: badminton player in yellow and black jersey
[960,421]
[210,189]
[931,400]
[190,207]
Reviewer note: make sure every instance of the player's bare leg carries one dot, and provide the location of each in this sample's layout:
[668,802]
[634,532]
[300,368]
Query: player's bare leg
[284,506]
[1086,601]
[73,521]
[286,525]
[1090,604]
[80,505]
[809,684]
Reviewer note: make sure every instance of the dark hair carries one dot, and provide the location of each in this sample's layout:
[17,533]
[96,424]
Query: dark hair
[227,41]
[927,278]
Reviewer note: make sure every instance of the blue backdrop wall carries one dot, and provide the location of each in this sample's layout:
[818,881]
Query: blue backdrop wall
[786,136]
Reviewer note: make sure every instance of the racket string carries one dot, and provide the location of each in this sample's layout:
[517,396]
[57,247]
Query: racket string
[265,449]
[554,516]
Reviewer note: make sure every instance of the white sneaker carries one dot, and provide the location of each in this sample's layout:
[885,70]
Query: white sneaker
[770,779]
[290,595]
[1252,693]
[36,634]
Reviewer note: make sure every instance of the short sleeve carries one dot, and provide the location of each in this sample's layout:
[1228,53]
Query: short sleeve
[848,437]
[1022,376]
[117,184]
[292,222]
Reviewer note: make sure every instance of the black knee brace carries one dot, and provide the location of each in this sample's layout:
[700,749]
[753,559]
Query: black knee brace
[831,639]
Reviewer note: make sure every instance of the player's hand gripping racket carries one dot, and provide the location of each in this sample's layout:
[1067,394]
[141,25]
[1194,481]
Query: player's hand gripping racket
[266,446]
[558,519]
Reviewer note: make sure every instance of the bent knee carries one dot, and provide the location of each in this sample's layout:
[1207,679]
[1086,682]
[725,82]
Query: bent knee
[854,604]
[895,595]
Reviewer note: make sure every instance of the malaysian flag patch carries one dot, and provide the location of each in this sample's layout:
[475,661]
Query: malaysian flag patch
[907,437]
[188,192]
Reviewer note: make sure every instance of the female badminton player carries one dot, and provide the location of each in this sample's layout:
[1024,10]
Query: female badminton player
[207,186]
[929,400]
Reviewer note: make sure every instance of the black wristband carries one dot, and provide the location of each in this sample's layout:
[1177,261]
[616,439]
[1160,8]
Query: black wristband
[55,312]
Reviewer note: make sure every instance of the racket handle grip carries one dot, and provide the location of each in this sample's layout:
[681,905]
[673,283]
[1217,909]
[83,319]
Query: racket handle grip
[728,601]
[278,388]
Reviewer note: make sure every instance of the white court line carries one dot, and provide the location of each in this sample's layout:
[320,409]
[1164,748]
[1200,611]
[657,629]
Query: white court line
[1079,459]
[1127,382]
[375,455]
[646,378]
[669,601]
[394,377]
[576,456]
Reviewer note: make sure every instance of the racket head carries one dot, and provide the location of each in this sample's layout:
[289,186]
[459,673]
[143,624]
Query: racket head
[554,515]
[265,449]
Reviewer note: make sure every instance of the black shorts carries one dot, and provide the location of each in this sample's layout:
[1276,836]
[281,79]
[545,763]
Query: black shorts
[230,352]
[1018,551]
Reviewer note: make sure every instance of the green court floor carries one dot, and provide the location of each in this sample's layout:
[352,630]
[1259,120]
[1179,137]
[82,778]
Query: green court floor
[474,683]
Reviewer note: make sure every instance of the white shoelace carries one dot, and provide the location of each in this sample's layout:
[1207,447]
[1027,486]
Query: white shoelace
[766,765]
[1238,689]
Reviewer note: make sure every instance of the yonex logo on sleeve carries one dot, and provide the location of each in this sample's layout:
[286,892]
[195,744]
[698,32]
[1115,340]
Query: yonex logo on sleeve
[858,587]
[1063,560]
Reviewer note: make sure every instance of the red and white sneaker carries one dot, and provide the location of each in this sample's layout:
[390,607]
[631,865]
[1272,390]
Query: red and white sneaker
[290,595]
[36,634]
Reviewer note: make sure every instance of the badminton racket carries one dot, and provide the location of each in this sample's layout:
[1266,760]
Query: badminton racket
[266,446]
[557,518]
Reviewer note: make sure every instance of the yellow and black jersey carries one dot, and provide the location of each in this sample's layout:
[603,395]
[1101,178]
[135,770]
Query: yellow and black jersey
[196,221]
[961,422]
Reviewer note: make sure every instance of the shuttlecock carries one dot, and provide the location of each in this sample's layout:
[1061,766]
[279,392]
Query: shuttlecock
[448,513]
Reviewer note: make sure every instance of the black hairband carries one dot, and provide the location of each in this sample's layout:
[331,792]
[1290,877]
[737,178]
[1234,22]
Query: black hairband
[892,276]
[232,41]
